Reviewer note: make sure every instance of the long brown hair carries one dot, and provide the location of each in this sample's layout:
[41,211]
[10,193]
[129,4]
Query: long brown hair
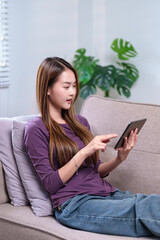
[59,143]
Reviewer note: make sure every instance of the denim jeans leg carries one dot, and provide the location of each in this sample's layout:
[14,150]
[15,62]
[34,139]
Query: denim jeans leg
[121,213]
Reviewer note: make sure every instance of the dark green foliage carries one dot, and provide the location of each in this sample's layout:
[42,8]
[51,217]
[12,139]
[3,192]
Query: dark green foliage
[121,75]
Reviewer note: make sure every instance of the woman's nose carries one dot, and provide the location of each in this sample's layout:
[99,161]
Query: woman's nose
[72,91]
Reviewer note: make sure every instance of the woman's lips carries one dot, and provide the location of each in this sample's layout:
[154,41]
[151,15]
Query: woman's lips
[69,100]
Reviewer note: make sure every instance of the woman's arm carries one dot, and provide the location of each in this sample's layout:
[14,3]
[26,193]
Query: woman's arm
[107,167]
[98,143]
[36,140]
[70,168]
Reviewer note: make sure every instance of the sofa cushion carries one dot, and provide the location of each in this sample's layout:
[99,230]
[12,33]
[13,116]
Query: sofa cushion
[14,185]
[20,223]
[37,195]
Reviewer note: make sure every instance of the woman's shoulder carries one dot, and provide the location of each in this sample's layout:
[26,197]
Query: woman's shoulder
[82,120]
[36,125]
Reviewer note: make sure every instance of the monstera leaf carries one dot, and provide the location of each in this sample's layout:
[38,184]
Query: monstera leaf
[84,65]
[87,90]
[131,70]
[103,77]
[124,49]
[124,82]
[126,91]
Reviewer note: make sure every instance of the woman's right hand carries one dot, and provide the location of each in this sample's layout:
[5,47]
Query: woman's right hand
[97,143]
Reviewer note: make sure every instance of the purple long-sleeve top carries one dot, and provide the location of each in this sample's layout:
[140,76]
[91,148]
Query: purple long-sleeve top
[88,180]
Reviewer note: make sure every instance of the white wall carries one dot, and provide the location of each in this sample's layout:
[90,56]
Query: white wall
[39,29]
[138,21]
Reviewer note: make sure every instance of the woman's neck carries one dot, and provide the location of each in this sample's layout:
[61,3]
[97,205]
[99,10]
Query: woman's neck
[57,116]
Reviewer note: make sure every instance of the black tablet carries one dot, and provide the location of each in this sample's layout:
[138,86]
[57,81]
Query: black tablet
[131,126]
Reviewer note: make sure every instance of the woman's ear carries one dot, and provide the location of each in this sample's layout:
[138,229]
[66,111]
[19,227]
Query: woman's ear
[48,92]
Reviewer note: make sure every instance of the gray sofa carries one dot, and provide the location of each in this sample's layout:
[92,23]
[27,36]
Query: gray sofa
[140,173]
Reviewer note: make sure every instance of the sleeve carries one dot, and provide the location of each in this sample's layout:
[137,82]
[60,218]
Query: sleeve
[37,147]
[84,121]
[97,165]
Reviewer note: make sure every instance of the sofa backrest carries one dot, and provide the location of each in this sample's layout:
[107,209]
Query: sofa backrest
[140,172]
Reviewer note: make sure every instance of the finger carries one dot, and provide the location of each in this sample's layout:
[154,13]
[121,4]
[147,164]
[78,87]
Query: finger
[106,138]
[136,131]
[131,139]
[134,137]
[102,147]
[131,136]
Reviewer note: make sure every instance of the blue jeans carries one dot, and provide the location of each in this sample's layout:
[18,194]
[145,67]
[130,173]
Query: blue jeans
[120,213]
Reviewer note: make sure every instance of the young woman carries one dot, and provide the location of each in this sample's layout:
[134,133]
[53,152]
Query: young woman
[65,156]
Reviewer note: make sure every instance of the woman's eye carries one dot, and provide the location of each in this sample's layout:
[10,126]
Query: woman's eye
[66,87]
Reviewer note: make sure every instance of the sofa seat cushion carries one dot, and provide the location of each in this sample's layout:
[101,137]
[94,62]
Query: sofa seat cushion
[20,223]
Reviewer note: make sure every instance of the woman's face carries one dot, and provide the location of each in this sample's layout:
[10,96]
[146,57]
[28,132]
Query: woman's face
[62,93]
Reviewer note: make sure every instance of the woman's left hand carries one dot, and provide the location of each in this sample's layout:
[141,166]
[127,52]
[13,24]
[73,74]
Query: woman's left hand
[129,143]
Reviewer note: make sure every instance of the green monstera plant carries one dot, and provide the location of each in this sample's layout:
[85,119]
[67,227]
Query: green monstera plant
[120,75]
